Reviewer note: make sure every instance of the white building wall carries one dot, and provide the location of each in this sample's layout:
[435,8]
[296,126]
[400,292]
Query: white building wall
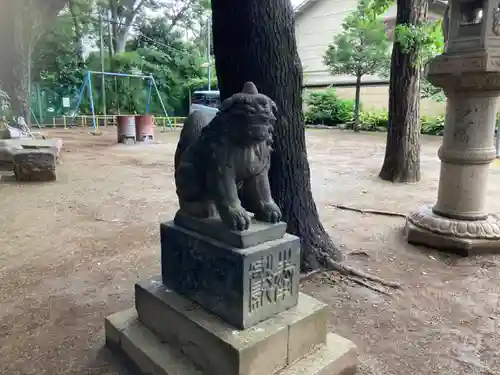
[315,29]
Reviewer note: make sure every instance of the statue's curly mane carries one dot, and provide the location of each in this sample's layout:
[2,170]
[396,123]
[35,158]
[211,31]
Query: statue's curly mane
[216,131]
[238,109]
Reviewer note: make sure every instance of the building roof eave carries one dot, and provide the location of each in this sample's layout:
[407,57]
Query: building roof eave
[303,6]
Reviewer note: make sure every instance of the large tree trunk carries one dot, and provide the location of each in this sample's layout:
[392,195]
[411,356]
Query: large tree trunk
[402,153]
[21,25]
[14,74]
[121,27]
[78,32]
[357,125]
[121,40]
[255,41]
[113,7]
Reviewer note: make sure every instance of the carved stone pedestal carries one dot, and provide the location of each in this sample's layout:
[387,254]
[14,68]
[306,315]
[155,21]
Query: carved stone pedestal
[462,237]
[228,303]
[459,221]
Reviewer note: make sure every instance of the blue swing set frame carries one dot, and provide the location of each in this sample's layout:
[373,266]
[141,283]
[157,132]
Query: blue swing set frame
[87,84]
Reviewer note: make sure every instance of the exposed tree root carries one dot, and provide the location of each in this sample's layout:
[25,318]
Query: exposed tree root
[323,255]
[477,365]
[369,286]
[358,252]
[309,275]
[349,271]
[368,211]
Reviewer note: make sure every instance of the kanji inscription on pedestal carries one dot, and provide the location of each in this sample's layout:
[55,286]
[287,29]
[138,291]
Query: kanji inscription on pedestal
[242,286]
[271,280]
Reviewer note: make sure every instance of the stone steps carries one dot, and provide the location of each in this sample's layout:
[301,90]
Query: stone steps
[145,354]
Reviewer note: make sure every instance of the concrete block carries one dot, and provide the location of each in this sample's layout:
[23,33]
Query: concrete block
[146,354]
[219,348]
[34,165]
[29,143]
[258,233]
[338,357]
[116,323]
[242,286]
[309,332]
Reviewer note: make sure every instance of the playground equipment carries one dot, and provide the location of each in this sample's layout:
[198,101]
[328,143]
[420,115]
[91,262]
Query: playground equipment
[161,122]
[87,84]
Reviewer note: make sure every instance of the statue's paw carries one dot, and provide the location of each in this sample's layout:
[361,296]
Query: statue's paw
[236,218]
[269,212]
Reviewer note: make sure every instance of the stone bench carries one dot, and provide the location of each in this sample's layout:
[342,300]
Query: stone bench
[9,146]
[34,164]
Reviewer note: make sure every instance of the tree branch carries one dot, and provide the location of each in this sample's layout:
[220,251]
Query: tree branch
[179,14]
[138,7]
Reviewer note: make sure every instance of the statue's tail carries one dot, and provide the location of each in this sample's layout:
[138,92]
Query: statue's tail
[190,132]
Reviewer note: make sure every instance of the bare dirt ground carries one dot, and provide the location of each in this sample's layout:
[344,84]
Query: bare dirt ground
[71,251]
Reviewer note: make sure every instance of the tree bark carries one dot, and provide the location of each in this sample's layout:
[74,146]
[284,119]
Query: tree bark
[78,33]
[121,29]
[121,39]
[180,13]
[255,41]
[446,24]
[113,8]
[21,26]
[402,153]
[357,126]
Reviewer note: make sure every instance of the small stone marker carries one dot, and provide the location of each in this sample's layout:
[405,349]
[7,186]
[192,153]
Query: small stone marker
[34,165]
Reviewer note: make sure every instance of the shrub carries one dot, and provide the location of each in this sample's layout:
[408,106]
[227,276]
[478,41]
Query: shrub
[325,107]
[432,125]
[378,121]
[374,121]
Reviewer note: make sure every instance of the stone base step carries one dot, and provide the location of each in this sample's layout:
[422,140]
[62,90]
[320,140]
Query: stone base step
[220,348]
[145,354]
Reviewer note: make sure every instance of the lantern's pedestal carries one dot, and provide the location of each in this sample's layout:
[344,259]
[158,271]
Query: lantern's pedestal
[424,227]
[459,222]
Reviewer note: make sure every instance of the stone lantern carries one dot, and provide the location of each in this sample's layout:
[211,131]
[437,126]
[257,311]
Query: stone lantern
[469,73]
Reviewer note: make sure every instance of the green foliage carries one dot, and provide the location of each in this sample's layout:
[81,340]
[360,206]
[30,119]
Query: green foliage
[432,125]
[379,120]
[374,120]
[325,107]
[157,48]
[202,84]
[426,39]
[378,7]
[429,91]
[362,47]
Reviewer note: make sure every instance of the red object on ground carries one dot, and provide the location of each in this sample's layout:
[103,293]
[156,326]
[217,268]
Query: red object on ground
[126,129]
[144,127]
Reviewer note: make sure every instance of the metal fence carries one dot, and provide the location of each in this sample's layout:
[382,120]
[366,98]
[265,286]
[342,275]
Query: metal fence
[109,120]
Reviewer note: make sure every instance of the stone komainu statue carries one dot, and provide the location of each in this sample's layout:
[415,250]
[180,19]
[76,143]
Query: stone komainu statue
[222,166]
